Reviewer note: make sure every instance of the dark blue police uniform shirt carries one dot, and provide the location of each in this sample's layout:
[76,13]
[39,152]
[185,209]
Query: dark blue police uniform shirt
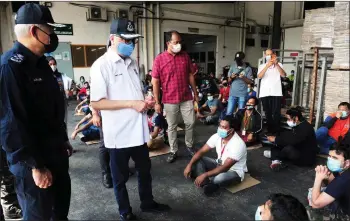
[32,109]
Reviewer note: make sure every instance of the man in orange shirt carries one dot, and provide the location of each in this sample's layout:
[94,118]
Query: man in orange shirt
[335,128]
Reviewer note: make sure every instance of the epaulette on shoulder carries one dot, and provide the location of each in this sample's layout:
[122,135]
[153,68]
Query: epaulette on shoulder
[17,58]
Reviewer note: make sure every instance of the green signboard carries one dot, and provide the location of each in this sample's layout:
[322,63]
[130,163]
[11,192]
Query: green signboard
[66,30]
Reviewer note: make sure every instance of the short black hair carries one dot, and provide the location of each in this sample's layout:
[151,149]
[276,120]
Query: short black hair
[286,207]
[341,149]
[256,100]
[344,104]
[232,121]
[82,77]
[169,34]
[296,112]
[50,58]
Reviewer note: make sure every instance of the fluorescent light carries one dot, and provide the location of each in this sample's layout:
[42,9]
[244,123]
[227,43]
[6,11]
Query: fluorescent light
[102,48]
[79,48]
[199,42]
[93,49]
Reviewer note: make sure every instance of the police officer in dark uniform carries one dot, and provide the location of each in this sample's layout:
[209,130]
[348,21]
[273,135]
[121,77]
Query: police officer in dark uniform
[33,132]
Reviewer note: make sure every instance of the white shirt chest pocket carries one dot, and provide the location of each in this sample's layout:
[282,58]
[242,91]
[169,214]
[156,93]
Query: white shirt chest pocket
[116,84]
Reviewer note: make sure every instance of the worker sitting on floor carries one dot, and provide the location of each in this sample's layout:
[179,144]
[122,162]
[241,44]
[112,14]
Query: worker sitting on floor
[297,145]
[230,166]
[88,129]
[335,126]
[83,106]
[282,207]
[210,111]
[335,180]
[249,121]
[157,127]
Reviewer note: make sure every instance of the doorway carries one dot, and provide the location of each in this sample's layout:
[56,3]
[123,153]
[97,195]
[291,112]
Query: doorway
[201,48]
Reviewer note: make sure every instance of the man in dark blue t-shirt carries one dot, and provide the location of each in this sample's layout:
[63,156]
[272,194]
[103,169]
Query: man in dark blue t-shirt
[337,175]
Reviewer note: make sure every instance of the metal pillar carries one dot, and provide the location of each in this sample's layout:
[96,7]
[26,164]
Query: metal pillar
[321,93]
[276,30]
[314,86]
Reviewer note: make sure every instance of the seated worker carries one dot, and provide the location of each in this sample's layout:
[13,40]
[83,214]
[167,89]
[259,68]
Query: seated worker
[336,178]
[157,127]
[297,145]
[230,165]
[249,121]
[84,105]
[149,99]
[224,93]
[89,130]
[210,111]
[282,207]
[251,92]
[335,126]
[82,92]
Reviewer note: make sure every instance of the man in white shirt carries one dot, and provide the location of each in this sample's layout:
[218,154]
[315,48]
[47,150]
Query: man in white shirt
[116,91]
[270,93]
[228,168]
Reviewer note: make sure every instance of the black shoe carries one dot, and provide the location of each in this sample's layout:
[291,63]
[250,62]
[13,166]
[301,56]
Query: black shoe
[155,208]
[171,157]
[210,188]
[107,181]
[128,216]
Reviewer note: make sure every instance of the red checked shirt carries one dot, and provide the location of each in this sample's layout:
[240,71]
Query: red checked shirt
[173,73]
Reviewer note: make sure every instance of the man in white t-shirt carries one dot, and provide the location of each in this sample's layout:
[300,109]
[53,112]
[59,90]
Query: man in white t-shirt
[117,92]
[270,93]
[228,168]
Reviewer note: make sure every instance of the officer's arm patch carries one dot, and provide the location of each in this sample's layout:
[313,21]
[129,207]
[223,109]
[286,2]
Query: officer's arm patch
[18,58]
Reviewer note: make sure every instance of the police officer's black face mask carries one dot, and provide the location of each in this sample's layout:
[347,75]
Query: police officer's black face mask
[52,46]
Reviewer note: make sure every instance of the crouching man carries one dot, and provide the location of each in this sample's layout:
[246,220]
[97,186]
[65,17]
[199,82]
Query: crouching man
[228,168]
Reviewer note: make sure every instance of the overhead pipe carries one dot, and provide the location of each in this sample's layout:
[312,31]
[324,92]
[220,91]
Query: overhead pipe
[199,22]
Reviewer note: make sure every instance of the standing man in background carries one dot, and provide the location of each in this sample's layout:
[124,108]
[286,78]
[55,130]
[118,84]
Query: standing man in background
[240,75]
[270,94]
[173,71]
[33,132]
[116,91]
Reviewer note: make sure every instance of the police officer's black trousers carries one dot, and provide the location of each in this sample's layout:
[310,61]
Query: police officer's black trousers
[53,202]
[120,174]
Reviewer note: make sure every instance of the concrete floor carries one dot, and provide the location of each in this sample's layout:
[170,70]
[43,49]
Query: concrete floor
[91,201]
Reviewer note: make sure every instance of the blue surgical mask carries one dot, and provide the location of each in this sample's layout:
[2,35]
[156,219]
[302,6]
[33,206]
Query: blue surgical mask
[124,49]
[258,214]
[222,133]
[268,58]
[248,89]
[210,98]
[334,165]
[344,114]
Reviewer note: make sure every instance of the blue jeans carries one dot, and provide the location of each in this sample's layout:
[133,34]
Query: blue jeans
[324,141]
[119,162]
[232,104]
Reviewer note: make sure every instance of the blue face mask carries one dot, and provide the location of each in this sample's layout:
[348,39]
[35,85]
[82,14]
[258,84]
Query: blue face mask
[344,114]
[222,133]
[258,214]
[334,165]
[124,49]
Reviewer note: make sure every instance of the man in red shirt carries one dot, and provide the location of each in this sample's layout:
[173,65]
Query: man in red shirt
[173,71]
[335,129]
[224,92]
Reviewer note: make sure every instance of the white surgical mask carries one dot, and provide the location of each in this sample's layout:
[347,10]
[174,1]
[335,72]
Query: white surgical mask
[210,98]
[344,114]
[176,48]
[53,67]
[291,123]
[258,214]
[268,58]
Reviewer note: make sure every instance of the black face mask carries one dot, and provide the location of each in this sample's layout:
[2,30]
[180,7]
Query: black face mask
[225,84]
[53,42]
[239,62]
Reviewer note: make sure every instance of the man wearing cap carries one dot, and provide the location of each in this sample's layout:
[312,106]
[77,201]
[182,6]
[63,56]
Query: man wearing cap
[240,75]
[33,132]
[116,91]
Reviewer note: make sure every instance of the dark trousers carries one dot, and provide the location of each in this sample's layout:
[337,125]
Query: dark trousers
[45,204]
[272,109]
[285,153]
[206,164]
[104,156]
[120,174]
